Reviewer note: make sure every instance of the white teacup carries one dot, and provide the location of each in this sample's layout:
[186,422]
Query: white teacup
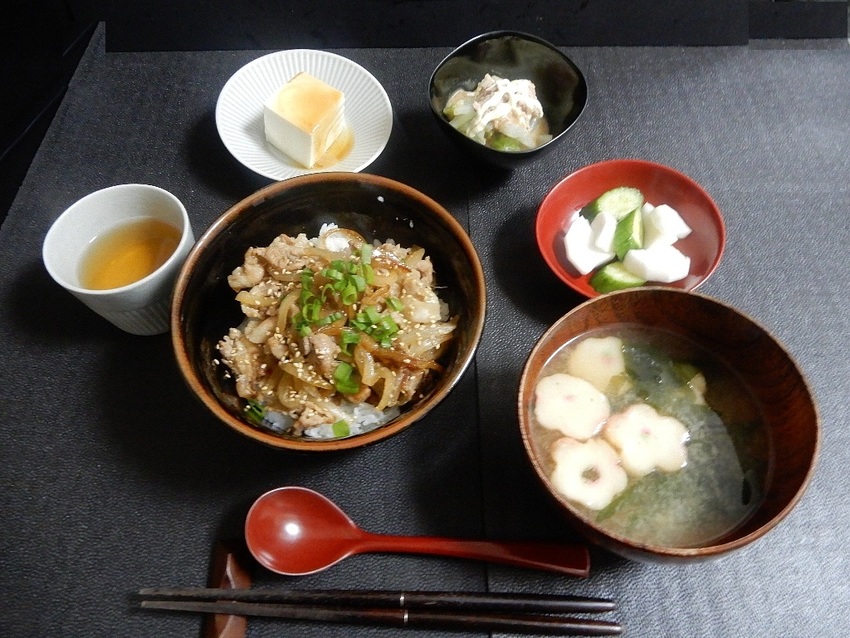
[141,307]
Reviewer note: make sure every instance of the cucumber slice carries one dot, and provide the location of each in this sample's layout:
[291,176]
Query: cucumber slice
[614,276]
[501,142]
[619,202]
[629,233]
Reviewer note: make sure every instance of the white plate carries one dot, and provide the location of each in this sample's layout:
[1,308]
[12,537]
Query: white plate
[239,110]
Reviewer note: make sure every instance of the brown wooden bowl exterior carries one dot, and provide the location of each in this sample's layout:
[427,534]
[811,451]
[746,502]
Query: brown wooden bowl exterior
[762,363]
[203,306]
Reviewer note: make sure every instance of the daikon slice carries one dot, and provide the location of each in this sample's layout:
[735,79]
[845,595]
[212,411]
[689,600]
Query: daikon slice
[663,264]
[581,252]
[603,227]
[665,220]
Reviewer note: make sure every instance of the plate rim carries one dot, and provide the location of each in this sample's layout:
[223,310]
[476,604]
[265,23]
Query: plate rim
[225,97]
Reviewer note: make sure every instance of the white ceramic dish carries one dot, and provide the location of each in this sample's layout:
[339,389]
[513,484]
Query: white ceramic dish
[239,110]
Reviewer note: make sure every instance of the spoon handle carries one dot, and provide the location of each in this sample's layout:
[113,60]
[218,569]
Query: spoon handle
[573,560]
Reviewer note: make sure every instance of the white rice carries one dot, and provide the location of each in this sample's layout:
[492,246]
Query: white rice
[361,418]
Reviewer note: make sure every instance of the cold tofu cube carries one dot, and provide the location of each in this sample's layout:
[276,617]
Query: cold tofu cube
[578,244]
[304,118]
[664,264]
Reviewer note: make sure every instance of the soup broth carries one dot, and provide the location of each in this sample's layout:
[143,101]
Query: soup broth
[127,253]
[727,446]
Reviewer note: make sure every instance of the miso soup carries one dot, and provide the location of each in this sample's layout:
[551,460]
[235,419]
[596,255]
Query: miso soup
[677,455]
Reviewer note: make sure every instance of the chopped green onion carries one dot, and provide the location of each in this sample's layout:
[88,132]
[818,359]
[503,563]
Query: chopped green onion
[340,429]
[388,324]
[255,412]
[343,371]
[304,330]
[323,321]
[372,314]
[327,292]
[345,379]
[333,274]
[347,335]
[345,281]
[359,282]
[348,338]
[329,319]
[348,295]
[312,310]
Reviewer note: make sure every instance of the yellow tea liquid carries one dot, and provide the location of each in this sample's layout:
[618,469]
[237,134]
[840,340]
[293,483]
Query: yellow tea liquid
[127,253]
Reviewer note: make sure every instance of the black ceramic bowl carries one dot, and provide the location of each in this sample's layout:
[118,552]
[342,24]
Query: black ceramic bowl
[204,308]
[561,87]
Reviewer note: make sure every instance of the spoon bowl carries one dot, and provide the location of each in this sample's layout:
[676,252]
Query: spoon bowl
[295,531]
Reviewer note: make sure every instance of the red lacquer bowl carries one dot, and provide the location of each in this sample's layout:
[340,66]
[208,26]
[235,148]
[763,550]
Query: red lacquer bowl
[660,185]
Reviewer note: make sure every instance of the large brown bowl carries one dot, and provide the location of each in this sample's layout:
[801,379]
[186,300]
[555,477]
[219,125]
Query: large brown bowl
[204,308]
[762,365]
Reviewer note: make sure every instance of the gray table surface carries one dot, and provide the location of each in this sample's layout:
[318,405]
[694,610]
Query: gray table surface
[113,478]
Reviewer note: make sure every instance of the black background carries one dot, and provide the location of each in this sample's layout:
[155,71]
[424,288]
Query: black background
[43,40]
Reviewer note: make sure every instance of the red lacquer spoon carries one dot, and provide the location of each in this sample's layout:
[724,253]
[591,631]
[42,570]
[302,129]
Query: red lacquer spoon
[295,531]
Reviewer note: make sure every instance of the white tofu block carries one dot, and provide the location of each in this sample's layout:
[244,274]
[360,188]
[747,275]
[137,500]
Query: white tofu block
[665,220]
[663,264]
[603,227]
[579,247]
[304,118]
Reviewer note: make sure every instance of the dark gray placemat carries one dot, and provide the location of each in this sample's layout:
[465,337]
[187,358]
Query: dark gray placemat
[114,478]
[765,132]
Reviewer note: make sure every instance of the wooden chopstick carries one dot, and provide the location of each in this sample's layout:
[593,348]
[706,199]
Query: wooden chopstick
[432,600]
[399,618]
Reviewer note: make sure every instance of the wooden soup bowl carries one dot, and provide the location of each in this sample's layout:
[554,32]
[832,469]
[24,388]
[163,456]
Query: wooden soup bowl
[760,362]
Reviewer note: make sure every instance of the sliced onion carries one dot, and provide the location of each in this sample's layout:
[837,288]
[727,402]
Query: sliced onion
[389,394]
[340,240]
[365,363]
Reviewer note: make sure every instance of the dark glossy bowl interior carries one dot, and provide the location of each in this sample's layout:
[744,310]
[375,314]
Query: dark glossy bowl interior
[561,87]
[761,364]
[204,308]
